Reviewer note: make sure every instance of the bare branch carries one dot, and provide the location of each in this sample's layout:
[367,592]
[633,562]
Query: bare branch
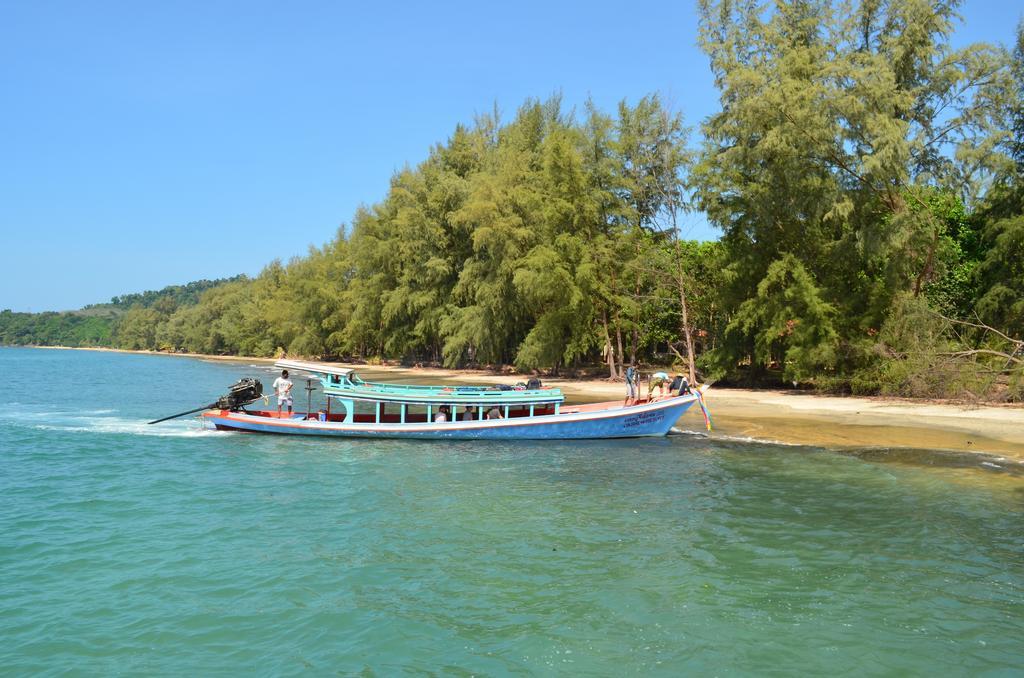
[981,326]
[678,354]
[984,351]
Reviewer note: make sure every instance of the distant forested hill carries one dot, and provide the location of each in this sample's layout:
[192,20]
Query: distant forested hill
[96,324]
[182,295]
[55,329]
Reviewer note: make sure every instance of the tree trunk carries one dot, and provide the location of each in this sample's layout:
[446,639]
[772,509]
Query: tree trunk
[636,301]
[926,272]
[687,333]
[689,337]
[618,339]
[609,352]
[636,322]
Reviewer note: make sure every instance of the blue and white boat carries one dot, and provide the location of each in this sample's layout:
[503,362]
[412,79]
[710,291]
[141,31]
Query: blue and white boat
[362,409]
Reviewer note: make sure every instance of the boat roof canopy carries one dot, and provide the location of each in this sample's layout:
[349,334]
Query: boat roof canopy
[315,368]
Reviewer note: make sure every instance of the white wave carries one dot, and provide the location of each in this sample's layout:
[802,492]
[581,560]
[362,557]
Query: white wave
[17,415]
[739,439]
[119,425]
[766,441]
[686,432]
[21,415]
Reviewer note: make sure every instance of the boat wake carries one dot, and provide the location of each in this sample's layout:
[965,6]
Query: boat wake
[104,422]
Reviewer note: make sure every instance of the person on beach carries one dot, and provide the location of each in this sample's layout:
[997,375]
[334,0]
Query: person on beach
[283,387]
[632,379]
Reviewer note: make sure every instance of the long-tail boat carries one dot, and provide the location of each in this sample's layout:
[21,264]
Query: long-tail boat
[365,409]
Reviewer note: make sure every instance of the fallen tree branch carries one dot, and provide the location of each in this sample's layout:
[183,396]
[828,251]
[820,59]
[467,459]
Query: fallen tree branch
[984,351]
[982,326]
[678,354]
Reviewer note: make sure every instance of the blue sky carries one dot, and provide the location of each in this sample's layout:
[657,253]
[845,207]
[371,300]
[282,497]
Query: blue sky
[149,144]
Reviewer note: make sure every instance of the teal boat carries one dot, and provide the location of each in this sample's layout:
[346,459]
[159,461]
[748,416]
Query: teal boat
[360,408]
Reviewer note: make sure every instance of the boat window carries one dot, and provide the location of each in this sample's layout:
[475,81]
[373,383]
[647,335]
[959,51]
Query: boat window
[416,413]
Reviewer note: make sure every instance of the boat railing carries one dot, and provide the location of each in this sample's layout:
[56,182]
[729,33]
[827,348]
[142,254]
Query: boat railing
[398,388]
[516,398]
[488,393]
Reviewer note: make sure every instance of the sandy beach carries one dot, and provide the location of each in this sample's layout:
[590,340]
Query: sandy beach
[790,417]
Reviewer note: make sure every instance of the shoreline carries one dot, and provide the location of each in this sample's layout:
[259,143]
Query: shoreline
[774,416]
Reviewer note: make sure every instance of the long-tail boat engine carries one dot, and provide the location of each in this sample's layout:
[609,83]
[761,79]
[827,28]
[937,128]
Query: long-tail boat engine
[240,394]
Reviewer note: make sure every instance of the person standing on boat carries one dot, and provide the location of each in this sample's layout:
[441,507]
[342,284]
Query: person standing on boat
[283,387]
[632,379]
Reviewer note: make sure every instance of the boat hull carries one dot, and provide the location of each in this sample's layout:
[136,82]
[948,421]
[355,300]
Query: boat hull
[651,419]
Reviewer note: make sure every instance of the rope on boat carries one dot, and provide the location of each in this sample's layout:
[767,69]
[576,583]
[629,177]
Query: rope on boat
[703,408]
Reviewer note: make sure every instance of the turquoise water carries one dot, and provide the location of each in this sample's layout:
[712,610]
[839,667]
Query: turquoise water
[127,549]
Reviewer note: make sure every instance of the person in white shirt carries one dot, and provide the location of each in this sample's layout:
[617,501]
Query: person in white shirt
[283,387]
